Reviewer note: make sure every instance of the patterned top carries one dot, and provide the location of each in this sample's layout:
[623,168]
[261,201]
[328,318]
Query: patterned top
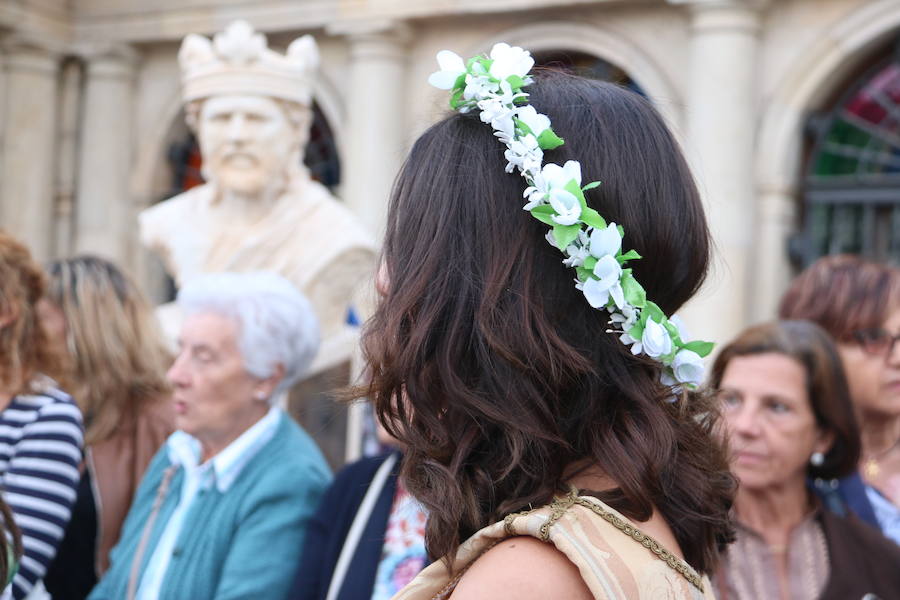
[403,554]
[615,558]
[40,450]
[749,566]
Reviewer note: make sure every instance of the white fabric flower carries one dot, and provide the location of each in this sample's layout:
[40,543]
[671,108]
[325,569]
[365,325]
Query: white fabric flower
[523,153]
[626,319]
[452,66]
[606,242]
[555,176]
[510,60]
[500,117]
[656,340]
[636,346]
[575,255]
[535,121]
[551,176]
[498,109]
[688,367]
[567,207]
[599,291]
[479,87]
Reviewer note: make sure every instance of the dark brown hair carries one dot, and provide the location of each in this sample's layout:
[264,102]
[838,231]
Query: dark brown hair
[826,384]
[493,370]
[843,294]
[24,347]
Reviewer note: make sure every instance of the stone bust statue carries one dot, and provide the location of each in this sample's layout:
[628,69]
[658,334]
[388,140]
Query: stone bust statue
[250,109]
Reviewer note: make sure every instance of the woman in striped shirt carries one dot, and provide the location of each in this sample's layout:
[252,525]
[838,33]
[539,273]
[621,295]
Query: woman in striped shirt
[40,426]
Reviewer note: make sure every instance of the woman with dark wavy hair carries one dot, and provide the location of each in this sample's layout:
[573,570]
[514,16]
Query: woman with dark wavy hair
[524,420]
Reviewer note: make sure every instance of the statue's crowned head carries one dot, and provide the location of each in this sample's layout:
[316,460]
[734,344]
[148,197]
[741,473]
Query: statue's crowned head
[249,106]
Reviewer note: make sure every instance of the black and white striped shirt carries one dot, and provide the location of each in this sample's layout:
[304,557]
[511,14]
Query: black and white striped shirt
[41,438]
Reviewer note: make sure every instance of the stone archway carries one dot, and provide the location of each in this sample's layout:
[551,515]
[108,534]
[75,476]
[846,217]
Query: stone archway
[814,77]
[602,43]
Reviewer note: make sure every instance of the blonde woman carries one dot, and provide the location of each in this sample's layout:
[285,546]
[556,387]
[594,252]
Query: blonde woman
[115,368]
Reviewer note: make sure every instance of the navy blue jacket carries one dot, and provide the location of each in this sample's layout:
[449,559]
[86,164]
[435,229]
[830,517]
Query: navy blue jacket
[328,528]
[844,495]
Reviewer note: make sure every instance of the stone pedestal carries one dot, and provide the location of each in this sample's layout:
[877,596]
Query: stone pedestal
[104,219]
[721,131]
[28,154]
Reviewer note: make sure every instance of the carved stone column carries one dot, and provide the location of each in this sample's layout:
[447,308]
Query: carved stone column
[104,219]
[776,213]
[28,154]
[375,97]
[720,141]
[67,155]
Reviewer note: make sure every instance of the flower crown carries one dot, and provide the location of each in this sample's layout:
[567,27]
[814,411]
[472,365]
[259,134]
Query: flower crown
[493,85]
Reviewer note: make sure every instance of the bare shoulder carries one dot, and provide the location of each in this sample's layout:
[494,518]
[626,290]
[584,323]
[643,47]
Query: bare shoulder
[523,568]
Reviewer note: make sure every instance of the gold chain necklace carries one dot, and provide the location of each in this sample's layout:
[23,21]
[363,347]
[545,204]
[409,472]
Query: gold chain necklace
[871,468]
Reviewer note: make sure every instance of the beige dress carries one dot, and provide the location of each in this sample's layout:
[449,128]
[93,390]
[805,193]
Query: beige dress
[616,560]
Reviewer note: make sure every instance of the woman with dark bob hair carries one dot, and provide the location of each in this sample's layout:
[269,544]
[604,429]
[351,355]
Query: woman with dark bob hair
[788,416]
[857,301]
[521,415]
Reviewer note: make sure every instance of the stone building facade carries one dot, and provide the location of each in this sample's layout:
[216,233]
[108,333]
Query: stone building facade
[90,110]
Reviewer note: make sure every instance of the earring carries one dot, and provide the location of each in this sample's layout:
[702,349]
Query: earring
[260,395]
[817,459]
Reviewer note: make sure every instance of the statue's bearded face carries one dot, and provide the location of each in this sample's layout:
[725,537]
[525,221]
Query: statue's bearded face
[246,141]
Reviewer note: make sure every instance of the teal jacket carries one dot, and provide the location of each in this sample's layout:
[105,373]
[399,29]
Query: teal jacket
[244,543]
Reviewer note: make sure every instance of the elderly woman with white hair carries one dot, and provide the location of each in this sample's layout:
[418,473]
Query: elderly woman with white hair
[223,508]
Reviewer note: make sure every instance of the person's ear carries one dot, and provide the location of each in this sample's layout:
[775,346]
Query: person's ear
[266,387]
[824,442]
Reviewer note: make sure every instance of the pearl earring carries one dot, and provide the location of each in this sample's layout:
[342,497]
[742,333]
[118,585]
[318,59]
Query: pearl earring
[259,395]
[817,459]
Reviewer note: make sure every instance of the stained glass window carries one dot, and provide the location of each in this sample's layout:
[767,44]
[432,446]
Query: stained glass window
[852,191]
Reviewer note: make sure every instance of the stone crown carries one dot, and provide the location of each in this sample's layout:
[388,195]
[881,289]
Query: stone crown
[238,61]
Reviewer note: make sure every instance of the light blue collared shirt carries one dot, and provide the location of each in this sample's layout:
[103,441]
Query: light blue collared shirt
[221,471]
[887,514]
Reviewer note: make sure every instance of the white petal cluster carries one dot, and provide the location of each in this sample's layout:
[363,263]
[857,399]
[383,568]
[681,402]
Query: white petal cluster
[492,85]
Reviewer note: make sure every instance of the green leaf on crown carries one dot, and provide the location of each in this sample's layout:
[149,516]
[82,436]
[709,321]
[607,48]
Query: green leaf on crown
[548,140]
[460,83]
[591,217]
[583,273]
[523,127]
[590,186]
[621,231]
[637,332]
[700,347]
[456,100]
[630,255]
[651,310]
[590,262]
[565,235]
[674,334]
[572,188]
[544,213]
[634,292]
[515,82]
